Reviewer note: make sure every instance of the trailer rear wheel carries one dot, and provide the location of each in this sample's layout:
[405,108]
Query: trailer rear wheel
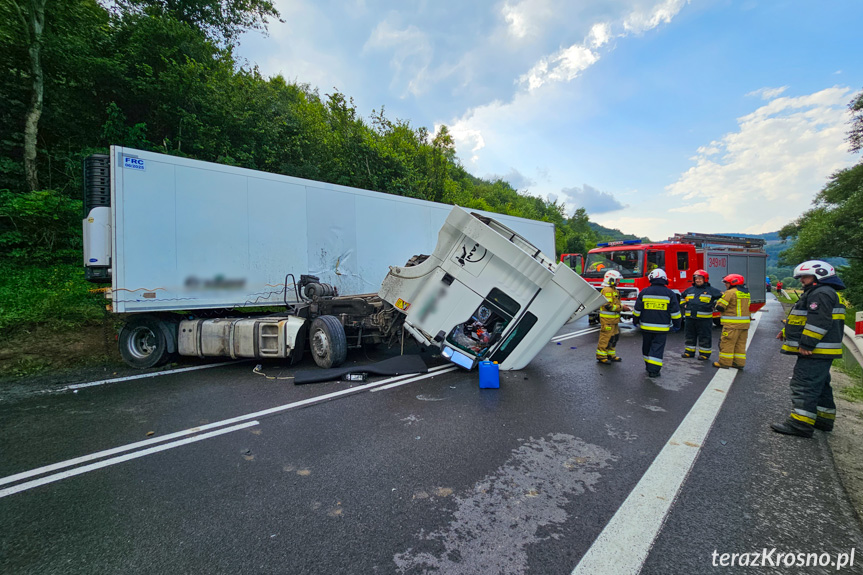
[328,342]
[142,343]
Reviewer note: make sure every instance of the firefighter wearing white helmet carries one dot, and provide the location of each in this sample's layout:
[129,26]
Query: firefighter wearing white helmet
[657,310]
[609,318]
[813,332]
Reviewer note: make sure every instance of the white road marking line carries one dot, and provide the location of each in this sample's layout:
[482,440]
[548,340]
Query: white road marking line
[93,466]
[624,544]
[133,446]
[423,376]
[574,334]
[141,376]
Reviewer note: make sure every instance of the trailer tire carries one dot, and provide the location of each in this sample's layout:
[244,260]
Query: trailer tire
[142,343]
[327,340]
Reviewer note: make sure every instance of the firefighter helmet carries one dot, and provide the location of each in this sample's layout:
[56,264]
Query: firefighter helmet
[612,278]
[657,274]
[701,273]
[817,268]
[734,280]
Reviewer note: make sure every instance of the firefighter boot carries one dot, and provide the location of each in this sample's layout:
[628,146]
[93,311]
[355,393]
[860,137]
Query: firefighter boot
[793,427]
[824,424]
[615,358]
[716,364]
[687,355]
[825,419]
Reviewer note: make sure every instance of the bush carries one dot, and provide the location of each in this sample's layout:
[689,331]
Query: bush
[39,227]
[56,296]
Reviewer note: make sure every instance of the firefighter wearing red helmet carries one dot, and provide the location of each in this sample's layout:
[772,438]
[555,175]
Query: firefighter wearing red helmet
[734,305]
[813,332]
[697,303]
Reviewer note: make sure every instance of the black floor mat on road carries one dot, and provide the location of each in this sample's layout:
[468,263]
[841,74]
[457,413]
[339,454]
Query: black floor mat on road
[393,366]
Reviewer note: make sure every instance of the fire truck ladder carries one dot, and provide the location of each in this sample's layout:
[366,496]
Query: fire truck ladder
[701,240]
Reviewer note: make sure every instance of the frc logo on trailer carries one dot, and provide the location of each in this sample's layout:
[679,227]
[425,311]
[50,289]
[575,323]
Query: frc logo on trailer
[134,163]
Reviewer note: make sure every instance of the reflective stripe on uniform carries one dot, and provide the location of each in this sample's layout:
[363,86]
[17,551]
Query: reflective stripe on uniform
[812,334]
[721,301]
[675,315]
[803,418]
[654,326]
[826,413]
[704,314]
[831,349]
[816,329]
[692,349]
[656,298]
[803,415]
[653,360]
[726,355]
[609,314]
[735,319]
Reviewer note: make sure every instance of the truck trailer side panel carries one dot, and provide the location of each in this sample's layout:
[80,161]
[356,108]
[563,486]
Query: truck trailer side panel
[196,235]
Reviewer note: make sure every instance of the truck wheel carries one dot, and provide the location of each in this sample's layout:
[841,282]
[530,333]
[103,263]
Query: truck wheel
[328,342]
[142,343]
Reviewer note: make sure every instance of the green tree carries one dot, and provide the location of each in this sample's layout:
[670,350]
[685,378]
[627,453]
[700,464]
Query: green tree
[221,20]
[834,226]
[579,236]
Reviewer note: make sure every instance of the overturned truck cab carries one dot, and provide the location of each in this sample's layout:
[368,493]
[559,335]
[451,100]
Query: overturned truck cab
[486,293]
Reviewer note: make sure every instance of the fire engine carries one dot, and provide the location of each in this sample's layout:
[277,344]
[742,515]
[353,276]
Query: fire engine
[679,256]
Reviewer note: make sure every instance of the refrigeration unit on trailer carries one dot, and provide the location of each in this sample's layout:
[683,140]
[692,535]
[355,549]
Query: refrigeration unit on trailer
[215,242]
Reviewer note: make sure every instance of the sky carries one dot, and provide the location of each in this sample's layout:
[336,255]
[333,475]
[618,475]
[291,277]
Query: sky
[656,116]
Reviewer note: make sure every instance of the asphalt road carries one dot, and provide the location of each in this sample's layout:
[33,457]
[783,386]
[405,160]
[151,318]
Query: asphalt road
[433,476]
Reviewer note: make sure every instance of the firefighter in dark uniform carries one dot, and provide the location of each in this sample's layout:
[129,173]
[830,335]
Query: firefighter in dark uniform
[813,332]
[697,304]
[609,318]
[657,310]
[734,305]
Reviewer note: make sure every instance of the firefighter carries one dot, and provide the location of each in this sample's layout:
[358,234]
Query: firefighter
[697,303]
[657,310]
[813,332]
[734,305]
[609,318]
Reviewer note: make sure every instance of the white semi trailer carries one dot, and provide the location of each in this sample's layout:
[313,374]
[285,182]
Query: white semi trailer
[192,249]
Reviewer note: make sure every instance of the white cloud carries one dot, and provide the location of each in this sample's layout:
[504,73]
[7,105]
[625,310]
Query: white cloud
[592,200]
[768,93]
[514,178]
[412,54]
[647,18]
[528,17]
[765,174]
[564,66]
[599,35]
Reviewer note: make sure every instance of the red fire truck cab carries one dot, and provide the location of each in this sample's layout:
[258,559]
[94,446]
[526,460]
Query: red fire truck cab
[679,256]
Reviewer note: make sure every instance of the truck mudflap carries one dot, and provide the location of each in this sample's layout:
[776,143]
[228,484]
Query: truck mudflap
[486,293]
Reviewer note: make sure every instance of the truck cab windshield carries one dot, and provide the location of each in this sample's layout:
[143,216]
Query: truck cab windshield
[630,263]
